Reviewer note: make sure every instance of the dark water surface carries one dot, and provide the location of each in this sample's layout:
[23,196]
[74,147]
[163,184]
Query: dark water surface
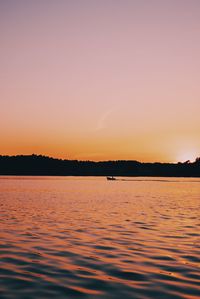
[92,238]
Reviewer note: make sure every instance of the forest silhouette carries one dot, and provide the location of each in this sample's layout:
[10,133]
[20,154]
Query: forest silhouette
[43,165]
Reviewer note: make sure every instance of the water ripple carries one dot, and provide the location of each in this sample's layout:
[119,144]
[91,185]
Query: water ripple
[69,238]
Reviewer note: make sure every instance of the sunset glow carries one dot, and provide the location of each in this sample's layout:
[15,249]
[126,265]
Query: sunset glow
[100,80]
[188,156]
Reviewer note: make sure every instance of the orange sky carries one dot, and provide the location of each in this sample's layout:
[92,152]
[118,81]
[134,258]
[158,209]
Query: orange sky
[99,80]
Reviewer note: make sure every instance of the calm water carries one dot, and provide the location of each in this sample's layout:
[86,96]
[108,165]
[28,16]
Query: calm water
[92,238]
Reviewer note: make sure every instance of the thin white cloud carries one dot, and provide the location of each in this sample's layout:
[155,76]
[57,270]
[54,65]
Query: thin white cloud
[102,121]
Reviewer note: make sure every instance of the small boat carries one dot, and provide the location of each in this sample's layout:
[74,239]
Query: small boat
[111,178]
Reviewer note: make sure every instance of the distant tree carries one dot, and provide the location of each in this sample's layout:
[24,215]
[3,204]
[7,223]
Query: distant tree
[197,160]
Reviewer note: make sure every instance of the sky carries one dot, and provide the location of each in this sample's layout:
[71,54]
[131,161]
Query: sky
[100,79]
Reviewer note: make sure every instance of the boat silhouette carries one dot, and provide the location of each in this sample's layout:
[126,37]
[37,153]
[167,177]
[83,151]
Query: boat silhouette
[111,178]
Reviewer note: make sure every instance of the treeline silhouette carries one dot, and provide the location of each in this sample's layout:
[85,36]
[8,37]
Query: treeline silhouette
[42,165]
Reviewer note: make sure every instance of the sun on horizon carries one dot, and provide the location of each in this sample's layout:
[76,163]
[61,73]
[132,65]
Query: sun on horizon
[190,155]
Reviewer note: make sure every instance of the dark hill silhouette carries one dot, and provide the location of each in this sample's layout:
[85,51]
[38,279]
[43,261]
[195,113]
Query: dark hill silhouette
[42,165]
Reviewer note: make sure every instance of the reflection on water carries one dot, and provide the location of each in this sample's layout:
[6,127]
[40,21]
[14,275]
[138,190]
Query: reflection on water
[92,238]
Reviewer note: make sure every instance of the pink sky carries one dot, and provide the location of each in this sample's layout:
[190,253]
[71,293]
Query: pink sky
[99,80]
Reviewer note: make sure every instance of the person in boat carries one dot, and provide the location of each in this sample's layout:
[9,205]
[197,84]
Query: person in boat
[111,178]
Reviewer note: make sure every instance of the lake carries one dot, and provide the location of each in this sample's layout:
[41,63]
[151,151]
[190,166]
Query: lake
[86,237]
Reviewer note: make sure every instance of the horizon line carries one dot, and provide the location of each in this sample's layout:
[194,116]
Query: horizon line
[99,161]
